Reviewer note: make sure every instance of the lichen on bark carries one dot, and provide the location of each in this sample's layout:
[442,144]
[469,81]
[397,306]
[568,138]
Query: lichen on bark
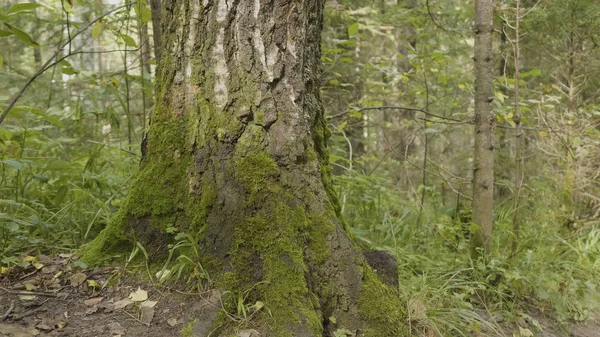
[236,155]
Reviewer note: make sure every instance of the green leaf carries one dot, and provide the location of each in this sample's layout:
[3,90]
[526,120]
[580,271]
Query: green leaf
[1,61]
[13,163]
[13,227]
[353,29]
[355,114]
[97,30]
[22,7]
[68,71]
[129,41]
[24,37]
[576,141]
[144,14]
[5,32]
[60,195]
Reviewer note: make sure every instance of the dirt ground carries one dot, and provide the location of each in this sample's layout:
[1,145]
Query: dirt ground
[57,297]
[52,297]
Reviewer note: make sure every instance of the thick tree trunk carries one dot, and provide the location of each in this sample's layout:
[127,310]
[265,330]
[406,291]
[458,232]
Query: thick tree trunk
[483,176]
[236,157]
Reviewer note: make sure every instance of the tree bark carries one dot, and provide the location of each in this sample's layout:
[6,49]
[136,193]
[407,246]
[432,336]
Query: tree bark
[483,176]
[236,157]
[156,10]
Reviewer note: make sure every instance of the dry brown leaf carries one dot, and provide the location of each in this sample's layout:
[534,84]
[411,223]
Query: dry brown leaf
[77,279]
[93,301]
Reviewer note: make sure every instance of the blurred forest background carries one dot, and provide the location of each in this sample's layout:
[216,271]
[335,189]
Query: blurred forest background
[398,91]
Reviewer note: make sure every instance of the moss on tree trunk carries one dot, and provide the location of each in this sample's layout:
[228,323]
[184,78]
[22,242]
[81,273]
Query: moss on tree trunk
[236,156]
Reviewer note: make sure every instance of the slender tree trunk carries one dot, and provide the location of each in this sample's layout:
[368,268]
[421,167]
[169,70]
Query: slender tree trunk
[156,10]
[483,176]
[519,146]
[236,157]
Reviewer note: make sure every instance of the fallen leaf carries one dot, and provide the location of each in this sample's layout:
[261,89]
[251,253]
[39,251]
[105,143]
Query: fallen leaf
[139,295]
[248,333]
[93,301]
[108,307]
[38,265]
[93,284]
[27,297]
[30,286]
[147,315]
[115,328]
[29,258]
[77,279]
[149,304]
[18,331]
[172,321]
[44,326]
[91,310]
[45,259]
[123,303]
[52,269]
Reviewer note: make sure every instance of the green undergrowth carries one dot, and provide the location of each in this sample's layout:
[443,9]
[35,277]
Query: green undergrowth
[553,270]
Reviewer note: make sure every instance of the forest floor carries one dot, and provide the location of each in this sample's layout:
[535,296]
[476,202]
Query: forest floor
[54,297]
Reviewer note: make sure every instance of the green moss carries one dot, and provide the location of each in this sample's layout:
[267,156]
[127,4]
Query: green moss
[380,306]
[273,237]
[254,170]
[109,239]
[188,329]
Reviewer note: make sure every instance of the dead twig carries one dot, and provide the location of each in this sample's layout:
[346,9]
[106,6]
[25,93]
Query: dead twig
[11,307]
[30,312]
[33,293]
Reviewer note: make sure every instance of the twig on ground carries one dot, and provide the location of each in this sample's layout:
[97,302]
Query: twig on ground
[19,292]
[11,307]
[28,313]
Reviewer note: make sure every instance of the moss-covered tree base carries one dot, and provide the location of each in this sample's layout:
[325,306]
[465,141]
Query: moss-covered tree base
[236,157]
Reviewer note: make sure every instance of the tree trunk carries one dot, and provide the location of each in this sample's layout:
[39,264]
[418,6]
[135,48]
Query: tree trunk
[156,10]
[236,157]
[483,176]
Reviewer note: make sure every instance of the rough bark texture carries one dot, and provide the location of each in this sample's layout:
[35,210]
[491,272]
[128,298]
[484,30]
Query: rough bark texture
[483,176]
[236,156]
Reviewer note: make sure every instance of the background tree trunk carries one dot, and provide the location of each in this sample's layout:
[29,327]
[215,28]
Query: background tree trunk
[236,157]
[483,176]
[156,10]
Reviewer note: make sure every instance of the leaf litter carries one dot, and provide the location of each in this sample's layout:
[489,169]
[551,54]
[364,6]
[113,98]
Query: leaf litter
[60,296]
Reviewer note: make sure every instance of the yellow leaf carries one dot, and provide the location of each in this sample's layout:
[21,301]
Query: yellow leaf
[543,133]
[138,295]
[97,30]
[93,284]
[500,96]
[29,258]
